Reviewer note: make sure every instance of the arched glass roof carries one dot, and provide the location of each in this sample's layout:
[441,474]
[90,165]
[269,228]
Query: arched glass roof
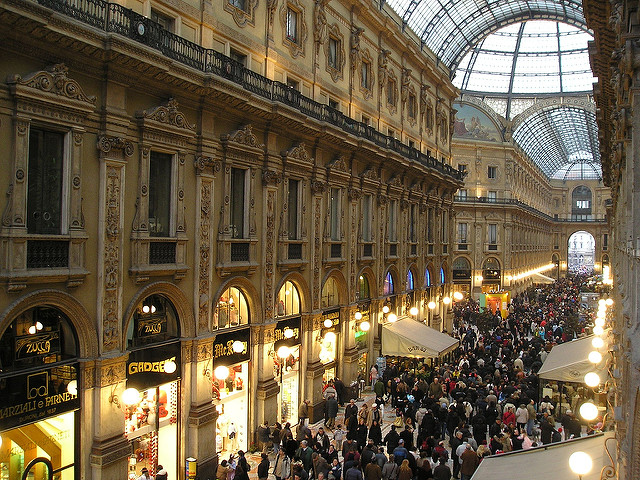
[562,141]
[539,57]
[450,28]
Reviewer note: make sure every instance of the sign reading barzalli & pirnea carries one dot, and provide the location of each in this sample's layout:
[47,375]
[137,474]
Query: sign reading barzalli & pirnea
[28,398]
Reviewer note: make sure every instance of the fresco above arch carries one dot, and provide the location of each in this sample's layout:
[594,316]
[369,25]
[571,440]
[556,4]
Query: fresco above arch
[473,123]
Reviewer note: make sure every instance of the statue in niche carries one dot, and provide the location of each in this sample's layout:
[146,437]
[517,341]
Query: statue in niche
[320,23]
[355,46]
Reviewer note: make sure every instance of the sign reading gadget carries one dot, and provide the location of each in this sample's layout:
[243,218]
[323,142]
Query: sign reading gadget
[153,366]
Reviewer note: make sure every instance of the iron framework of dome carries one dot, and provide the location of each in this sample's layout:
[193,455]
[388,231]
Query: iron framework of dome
[450,28]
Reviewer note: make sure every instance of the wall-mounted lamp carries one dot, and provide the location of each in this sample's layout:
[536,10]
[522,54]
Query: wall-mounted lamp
[431,305]
[413,311]
[238,346]
[288,332]
[72,387]
[446,300]
[221,372]
[457,296]
[358,315]
[131,396]
[328,323]
[365,326]
[392,317]
[113,398]
[580,463]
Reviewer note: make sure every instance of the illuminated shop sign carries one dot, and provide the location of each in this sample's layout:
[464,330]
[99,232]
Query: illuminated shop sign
[33,397]
[287,333]
[232,347]
[147,327]
[332,316]
[38,345]
[153,366]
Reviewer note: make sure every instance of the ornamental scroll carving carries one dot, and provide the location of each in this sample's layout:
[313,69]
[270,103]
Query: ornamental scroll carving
[204,262]
[269,254]
[204,164]
[338,164]
[108,143]
[168,114]
[317,250]
[54,80]
[243,136]
[298,152]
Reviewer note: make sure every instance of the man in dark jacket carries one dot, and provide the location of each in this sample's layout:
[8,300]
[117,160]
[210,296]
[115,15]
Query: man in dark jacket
[407,436]
[331,406]
[479,425]
[304,454]
[263,467]
[442,471]
[351,409]
[456,441]
[391,439]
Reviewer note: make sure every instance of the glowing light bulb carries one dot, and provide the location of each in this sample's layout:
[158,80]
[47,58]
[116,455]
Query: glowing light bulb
[457,296]
[597,342]
[221,372]
[385,309]
[131,396]
[358,316]
[284,351]
[146,309]
[392,317]
[288,332]
[38,326]
[609,302]
[153,309]
[238,346]
[446,300]
[330,337]
[327,323]
[431,305]
[365,326]
[595,357]
[588,411]
[170,366]
[72,387]
[598,330]
[602,301]
[413,311]
[32,329]
[580,463]
[592,379]
[599,322]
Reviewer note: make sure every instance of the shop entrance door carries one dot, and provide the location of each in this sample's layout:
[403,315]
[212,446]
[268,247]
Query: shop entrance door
[39,468]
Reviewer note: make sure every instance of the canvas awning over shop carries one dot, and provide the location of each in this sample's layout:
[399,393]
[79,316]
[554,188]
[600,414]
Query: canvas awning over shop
[539,278]
[410,338]
[550,462]
[569,362]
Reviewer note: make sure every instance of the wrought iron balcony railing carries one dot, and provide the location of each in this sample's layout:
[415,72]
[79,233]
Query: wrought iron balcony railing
[114,18]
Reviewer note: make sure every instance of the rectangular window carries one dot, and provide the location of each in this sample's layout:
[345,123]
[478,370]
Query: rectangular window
[291,83]
[364,74]
[462,232]
[391,133]
[413,219]
[167,22]
[445,225]
[334,48]
[493,233]
[462,167]
[294,200]
[491,172]
[411,144]
[366,120]
[366,218]
[292,25]
[462,194]
[335,214]
[393,234]
[492,196]
[160,194]
[605,241]
[45,174]
[238,57]
[430,219]
[412,106]
[391,92]
[238,188]
[334,104]
[582,203]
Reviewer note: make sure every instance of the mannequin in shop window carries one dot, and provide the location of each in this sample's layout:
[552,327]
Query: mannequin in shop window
[232,434]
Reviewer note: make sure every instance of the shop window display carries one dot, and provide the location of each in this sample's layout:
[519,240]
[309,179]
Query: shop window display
[231,310]
[288,301]
[230,388]
[151,425]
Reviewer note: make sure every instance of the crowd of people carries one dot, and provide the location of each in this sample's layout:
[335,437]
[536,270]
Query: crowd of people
[447,417]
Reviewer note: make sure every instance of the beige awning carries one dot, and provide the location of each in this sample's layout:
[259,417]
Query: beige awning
[539,278]
[549,462]
[569,362]
[410,338]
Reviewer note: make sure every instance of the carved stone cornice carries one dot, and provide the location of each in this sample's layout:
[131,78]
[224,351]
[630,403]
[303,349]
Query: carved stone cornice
[299,153]
[241,142]
[205,164]
[318,187]
[271,178]
[168,114]
[53,80]
[354,194]
[107,143]
[165,124]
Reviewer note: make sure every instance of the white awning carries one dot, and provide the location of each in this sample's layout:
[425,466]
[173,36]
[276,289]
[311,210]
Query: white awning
[569,362]
[549,462]
[539,278]
[410,338]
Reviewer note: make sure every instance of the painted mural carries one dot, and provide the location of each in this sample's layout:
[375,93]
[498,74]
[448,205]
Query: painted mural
[473,123]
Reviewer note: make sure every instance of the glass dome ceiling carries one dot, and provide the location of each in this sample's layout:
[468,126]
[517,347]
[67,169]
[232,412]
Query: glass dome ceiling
[528,58]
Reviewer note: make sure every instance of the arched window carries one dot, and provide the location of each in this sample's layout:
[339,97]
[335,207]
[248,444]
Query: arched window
[154,320]
[427,278]
[288,302]
[410,282]
[491,269]
[388,285]
[231,310]
[363,288]
[39,336]
[330,293]
[442,277]
[461,269]
[581,201]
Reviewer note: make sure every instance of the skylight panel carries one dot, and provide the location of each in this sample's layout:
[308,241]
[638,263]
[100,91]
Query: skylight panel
[488,82]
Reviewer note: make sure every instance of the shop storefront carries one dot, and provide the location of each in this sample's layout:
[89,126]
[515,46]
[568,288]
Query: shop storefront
[151,400]
[329,342]
[363,317]
[230,389]
[39,410]
[286,348]
[491,276]
[462,275]
[389,291]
